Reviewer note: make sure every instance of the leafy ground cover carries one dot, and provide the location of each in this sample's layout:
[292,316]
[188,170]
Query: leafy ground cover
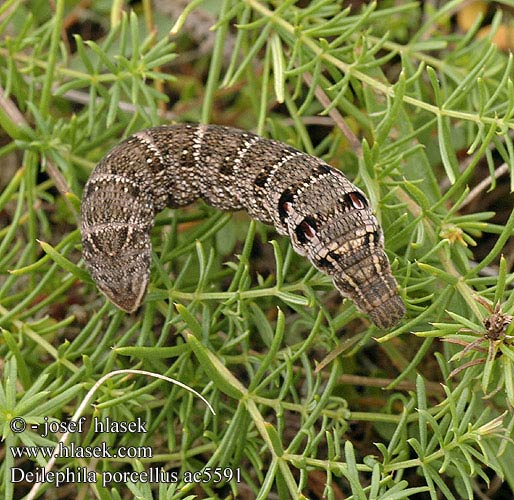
[414,101]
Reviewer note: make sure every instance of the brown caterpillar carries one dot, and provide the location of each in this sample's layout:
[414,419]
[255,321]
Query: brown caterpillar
[327,218]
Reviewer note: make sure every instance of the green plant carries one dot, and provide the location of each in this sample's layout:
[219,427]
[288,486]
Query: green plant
[409,107]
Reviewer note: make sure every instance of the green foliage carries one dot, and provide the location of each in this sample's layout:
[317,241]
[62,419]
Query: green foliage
[311,400]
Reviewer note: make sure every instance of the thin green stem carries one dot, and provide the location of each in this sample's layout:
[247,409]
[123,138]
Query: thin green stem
[383,88]
[46,93]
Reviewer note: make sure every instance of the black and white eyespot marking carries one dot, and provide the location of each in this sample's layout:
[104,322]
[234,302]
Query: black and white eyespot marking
[306,230]
[356,200]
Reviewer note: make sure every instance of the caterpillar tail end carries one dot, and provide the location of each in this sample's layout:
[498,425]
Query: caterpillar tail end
[121,272]
[128,302]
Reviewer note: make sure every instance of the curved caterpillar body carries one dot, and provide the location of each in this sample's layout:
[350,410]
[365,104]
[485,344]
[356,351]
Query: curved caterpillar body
[327,218]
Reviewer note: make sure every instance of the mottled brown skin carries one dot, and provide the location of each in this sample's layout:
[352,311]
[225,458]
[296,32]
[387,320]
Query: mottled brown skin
[327,218]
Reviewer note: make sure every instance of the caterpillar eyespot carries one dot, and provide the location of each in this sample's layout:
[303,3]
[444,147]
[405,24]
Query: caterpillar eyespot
[327,218]
[358,200]
[306,230]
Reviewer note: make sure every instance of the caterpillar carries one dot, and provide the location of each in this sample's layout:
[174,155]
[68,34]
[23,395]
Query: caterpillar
[327,218]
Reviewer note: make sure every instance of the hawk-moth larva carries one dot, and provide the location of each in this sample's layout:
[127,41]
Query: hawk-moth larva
[327,218]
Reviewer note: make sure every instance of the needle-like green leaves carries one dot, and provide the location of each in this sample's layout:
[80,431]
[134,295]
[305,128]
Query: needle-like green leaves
[311,400]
